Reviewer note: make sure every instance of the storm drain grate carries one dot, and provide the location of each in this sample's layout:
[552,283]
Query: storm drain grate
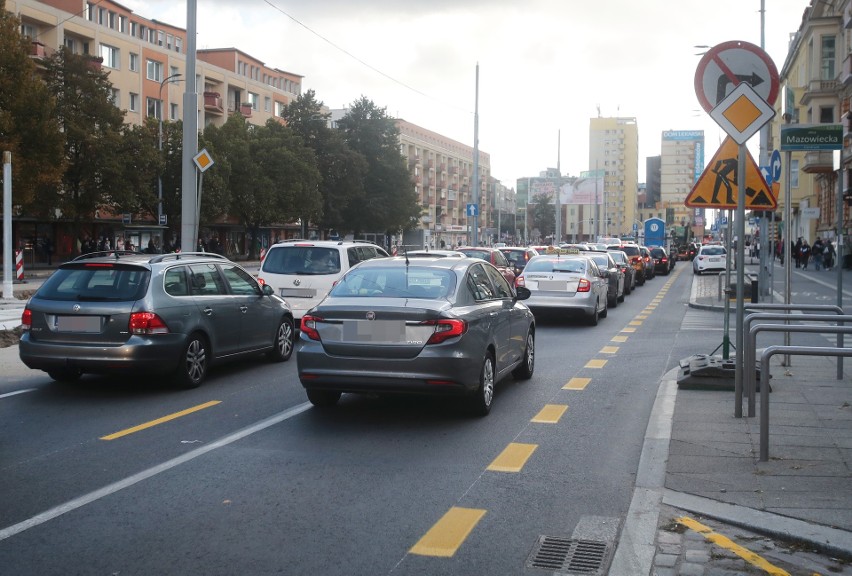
[584,557]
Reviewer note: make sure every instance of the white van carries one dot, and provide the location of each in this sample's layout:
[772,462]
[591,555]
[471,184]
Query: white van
[303,271]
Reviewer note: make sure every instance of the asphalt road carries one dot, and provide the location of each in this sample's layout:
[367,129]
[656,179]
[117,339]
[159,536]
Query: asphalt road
[242,476]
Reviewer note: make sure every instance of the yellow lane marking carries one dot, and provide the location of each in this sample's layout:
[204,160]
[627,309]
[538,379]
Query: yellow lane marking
[577,384]
[444,538]
[635,323]
[619,339]
[642,316]
[628,330]
[609,349]
[512,458]
[153,423]
[727,543]
[596,363]
[550,414]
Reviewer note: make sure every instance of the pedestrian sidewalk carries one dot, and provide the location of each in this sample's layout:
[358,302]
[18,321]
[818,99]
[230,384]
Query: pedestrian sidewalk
[803,493]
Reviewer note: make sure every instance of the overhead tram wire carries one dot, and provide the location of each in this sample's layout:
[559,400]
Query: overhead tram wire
[362,62]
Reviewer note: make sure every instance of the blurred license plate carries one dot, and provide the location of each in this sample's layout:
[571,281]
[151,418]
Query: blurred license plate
[298,292]
[78,323]
[552,285]
[374,331]
[715,259]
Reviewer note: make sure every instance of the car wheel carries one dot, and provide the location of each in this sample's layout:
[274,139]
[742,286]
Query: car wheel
[524,371]
[194,362]
[593,318]
[323,398]
[481,402]
[282,346]
[621,298]
[65,375]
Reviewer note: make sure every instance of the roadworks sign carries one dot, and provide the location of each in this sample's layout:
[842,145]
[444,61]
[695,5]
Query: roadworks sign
[718,185]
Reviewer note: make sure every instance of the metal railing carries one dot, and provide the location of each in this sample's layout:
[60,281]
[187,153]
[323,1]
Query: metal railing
[764,373]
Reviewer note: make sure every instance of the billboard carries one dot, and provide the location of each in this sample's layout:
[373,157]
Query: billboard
[581,190]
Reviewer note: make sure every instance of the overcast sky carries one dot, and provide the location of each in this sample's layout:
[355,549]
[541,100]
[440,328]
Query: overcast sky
[545,66]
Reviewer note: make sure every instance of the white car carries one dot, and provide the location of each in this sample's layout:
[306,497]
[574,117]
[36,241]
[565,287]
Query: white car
[303,271]
[570,283]
[710,257]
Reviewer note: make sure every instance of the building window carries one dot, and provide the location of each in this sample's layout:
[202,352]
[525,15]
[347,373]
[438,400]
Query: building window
[110,55]
[173,111]
[169,41]
[134,62]
[134,29]
[794,173]
[826,114]
[115,97]
[134,102]
[178,44]
[90,12]
[173,70]
[71,44]
[253,98]
[28,31]
[112,20]
[267,104]
[155,108]
[827,58]
[122,24]
[102,16]
[161,37]
[155,71]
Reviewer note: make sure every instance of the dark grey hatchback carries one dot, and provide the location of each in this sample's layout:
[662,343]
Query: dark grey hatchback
[437,326]
[176,314]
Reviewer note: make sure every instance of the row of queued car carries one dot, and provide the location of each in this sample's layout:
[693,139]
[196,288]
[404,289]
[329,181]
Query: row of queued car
[448,322]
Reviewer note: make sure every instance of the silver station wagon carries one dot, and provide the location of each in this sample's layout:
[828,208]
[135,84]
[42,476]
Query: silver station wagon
[436,326]
[131,313]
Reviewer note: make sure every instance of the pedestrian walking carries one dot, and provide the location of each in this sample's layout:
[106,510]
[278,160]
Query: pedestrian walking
[805,254]
[828,255]
[817,250]
[797,252]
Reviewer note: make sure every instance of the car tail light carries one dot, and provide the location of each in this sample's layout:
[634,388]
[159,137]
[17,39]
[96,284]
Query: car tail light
[27,319]
[261,281]
[445,329]
[584,285]
[147,323]
[520,281]
[309,326]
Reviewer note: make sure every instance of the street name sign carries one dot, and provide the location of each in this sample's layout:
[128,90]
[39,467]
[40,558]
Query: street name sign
[728,64]
[812,137]
[718,185]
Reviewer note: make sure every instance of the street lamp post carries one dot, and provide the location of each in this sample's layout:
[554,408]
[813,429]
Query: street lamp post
[160,148]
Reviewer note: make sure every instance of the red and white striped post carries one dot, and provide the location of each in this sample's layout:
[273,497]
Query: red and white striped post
[19,265]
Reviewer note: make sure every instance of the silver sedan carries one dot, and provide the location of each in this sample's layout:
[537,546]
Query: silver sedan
[571,283]
[437,326]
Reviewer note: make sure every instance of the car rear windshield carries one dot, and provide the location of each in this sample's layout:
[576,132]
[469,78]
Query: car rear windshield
[712,251]
[396,282]
[95,282]
[657,253]
[631,250]
[575,265]
[302,260]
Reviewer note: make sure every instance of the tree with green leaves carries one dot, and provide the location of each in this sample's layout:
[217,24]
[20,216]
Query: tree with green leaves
[28,125]
[543,215]
[342,170]
[92,128]
[390,203]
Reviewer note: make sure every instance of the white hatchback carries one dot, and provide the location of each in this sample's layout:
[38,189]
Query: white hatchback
[303,271]
[710,257]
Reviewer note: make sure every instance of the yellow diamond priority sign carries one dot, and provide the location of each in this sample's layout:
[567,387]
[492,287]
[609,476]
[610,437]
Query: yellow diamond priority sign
[742,113]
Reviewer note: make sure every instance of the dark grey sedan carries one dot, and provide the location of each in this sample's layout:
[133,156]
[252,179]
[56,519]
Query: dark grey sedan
[436,326]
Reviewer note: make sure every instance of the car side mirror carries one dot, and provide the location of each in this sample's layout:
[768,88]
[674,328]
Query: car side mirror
[268,290]
[522,292]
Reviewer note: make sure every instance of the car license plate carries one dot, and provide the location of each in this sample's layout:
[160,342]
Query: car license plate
[298,292]
[374,331]
[553,285]
[715,259]
[87,324]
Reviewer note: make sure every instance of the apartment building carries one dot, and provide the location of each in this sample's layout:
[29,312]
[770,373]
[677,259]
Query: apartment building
[146,62]
[614,149]
[817,85]
[681,165]
[442,169]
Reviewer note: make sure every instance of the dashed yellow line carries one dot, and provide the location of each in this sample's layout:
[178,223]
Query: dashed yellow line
[642,316]
[550,414]
[729,544]
[635,323]
[512,458]
[619,339]
[577,384]
[449,533]
[609,350]
[628,330]
[596,363]
[153,423]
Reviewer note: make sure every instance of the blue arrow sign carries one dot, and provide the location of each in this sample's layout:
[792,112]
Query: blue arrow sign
[473,209]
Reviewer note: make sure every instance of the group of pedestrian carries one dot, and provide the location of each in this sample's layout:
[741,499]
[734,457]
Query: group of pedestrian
[821,253]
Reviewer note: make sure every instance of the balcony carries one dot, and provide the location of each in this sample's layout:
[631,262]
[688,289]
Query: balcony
[213,103]
[820,89]
[38,50]
[246,109]
[454,170]
[818,161]
[96,63]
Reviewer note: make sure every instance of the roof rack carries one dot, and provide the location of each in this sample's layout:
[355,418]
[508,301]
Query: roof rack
[106,253]
[179,255]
